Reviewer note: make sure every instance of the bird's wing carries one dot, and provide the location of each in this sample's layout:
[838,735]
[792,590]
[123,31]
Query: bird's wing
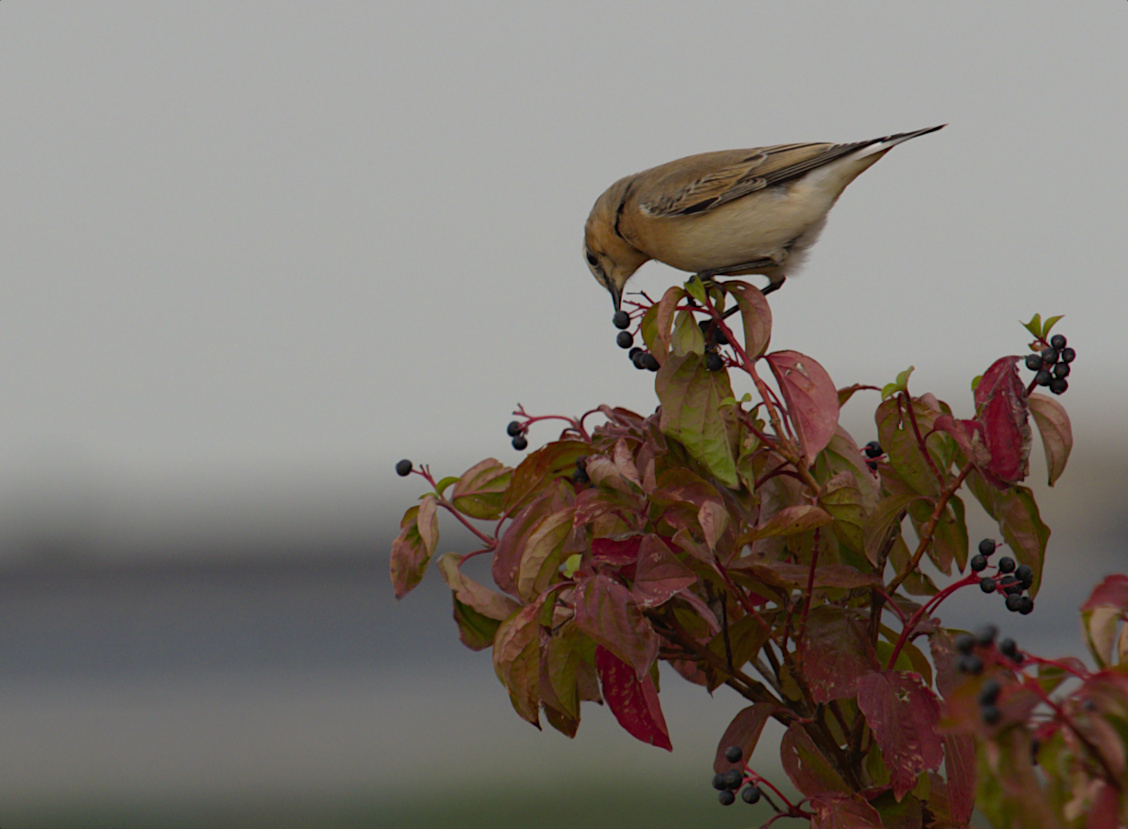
[700,183]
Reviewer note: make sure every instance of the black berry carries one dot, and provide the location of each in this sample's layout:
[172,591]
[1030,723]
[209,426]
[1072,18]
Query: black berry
[1006,564]
[513,429]
[727,798]
[1057,341]
[1011,586]
[1068,355]
[1033,362]
[733,779]
[1025,575]
[520,442]
[1043,378]
[1008,648]
[986,546]
[989,691]
[1050,355]
[631,354]
[621,319]
[1014,602]
[1027,606]
[580,476]
[713,361]
[991,714]
[719,782]
[1061,370]
[964,643]
[970,664]
[403,468]
[650,362]
[733,754]
[987,584]
[873,449]
[985,635]
[638,358]
[978,562]
[624,339]
[1058,385]
[751,794]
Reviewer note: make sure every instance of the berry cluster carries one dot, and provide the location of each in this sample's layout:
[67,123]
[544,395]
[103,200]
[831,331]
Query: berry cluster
[1052,364]
[1009,580]
[872,451]
[729,782]
[973,649]
[642,359]
[516,431]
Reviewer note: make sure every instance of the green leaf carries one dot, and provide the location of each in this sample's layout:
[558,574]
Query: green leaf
[480,492]
[537,472]
[883,521]
[441,486]
[901,384]
[475,631]
[1034,326]
[687,337]
[696,289]
[692,414]
[1050,323]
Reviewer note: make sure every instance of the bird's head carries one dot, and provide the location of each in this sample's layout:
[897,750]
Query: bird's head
[612,259]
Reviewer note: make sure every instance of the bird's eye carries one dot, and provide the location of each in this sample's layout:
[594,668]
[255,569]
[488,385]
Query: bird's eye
[591,258]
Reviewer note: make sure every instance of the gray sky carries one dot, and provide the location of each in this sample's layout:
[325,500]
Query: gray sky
[254,253]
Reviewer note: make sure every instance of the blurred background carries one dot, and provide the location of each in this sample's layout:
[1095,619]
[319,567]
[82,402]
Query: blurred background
[255,253]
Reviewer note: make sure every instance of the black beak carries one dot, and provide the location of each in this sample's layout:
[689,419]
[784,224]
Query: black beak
[616,295]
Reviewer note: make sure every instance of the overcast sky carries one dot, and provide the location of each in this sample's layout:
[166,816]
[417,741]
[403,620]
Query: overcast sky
[253,253]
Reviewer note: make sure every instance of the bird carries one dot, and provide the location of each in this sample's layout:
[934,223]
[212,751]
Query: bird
[725,213]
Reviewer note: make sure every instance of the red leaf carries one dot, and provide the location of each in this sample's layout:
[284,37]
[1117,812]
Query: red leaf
[836,652]
[756,315]
[537,472]
[1105,813]
[743,731]
[660,575]
[511,547]
[1056,431]
[1000,400]
[903,715]
[843,811]
[608,613]
[614,551]
[516,658]
[811,398]
[413,548]
[959,764]
[799,518]
[1112,592]
[634,702]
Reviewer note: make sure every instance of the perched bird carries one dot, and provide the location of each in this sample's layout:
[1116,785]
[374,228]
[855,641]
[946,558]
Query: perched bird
[726,213]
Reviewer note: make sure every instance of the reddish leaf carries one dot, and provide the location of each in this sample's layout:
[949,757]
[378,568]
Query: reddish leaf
[1019,522]
[796,576]
[511,547]
[664,318]
[488,602]
[1056,431]
[843,811]
[480,491]
[903,715]
[1105,813]
[1000,402]
[755,314]
[835,652]
[714,520]
[1112,592]
[632,700]
[516,658]
[959,765]
[805,765]
[811,398]
[413,548]
[539,469]
[693,415]
[616,552]
[660,575]
[608,613]
[542,552]
[800,518]
[743,731]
